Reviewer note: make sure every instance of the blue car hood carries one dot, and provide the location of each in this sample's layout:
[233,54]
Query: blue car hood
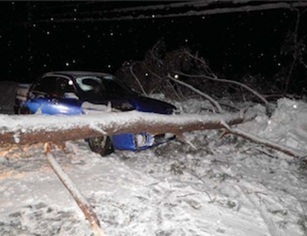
[144,104]
[71,106]
[153,105]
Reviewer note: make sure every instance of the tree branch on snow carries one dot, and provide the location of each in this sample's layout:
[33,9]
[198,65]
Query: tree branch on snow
[210,99]
[287,150]
[30,129]
[74,192]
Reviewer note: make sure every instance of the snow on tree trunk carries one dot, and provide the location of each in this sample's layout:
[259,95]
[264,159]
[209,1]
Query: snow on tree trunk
[30,129]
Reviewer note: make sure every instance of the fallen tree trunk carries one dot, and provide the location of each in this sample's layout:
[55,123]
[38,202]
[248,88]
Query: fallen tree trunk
[30,129]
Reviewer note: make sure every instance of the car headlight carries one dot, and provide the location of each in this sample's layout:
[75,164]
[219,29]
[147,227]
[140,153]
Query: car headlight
[126,106]
[143,139]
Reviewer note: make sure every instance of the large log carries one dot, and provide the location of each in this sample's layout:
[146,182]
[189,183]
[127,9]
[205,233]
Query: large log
[30,129]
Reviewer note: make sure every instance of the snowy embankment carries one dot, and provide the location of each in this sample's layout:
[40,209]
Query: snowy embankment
[224,186]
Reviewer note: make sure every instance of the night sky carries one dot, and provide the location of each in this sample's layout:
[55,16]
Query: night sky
[36,38]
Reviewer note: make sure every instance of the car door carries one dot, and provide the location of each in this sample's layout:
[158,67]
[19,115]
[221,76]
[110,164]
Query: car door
[54,95]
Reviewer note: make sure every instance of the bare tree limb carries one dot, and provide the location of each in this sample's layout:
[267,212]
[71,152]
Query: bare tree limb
[178,94]
[210,99]
[267,104]
[74,192]
[202,61]
[153,73]
[213,77]
[287,150]
[295,54]
[137,80]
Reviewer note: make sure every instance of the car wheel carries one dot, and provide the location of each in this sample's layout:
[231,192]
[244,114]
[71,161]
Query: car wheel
[23,111]
[102,145]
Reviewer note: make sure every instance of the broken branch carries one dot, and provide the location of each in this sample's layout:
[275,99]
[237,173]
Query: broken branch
[74,192]
[287,150]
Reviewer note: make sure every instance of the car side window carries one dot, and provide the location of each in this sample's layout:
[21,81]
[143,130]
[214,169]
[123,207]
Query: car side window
[64,85]
[45,85]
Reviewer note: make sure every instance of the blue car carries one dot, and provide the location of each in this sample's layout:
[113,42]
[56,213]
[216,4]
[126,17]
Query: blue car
[77,92]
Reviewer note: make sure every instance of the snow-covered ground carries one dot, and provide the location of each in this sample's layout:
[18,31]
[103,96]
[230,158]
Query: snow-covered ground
[219,185]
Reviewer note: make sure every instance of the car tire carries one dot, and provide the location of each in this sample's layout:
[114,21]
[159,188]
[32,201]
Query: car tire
[101,145]
[23,111]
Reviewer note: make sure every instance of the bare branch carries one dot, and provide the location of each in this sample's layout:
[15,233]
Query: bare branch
[287,150]
[213,77]
[205,65]
[210,99]
[295,52]
[75,193]
[228,81]
[137,80]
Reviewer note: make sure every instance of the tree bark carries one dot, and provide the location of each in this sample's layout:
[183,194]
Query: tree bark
[30,129]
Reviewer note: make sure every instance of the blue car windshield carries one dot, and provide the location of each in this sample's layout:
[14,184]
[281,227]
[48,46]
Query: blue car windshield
[101,87]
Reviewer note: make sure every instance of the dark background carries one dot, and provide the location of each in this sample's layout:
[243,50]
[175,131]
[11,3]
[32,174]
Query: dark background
[37,37]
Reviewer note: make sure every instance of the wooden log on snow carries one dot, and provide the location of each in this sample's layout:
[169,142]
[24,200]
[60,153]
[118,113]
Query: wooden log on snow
[30,129]
[83,204]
